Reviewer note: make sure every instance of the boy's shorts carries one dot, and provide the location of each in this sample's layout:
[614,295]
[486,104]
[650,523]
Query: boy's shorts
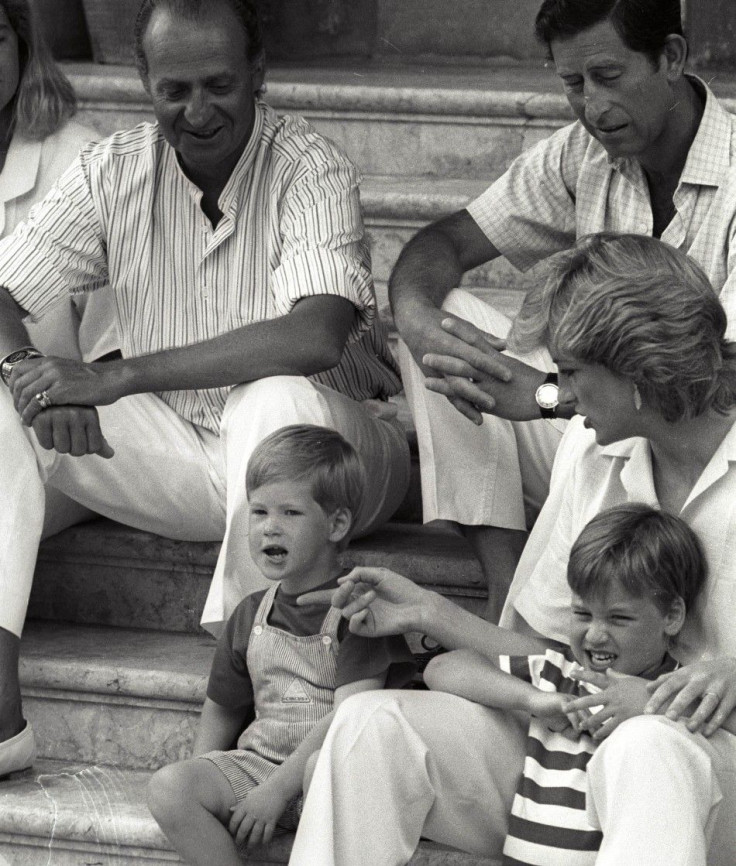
[246,770]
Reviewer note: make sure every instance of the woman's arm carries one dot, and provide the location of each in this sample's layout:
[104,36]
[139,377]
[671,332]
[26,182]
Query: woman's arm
[379,602]
[470,675]
[218,728]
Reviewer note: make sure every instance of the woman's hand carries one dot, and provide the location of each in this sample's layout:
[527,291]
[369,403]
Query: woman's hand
[255,817]
[622,698]
[476,374]
[65,382]
[377,602]
[705,691]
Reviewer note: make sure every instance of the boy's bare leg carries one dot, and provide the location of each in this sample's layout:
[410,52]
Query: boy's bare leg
[191,802]
[498,550]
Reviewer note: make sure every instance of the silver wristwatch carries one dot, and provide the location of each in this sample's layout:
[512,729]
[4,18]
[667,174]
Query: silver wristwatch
[9,361]
[548,396]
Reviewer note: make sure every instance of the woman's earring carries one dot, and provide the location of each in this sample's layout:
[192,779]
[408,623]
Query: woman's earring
[637,398]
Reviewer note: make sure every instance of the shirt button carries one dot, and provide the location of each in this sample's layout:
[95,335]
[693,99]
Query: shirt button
[326,640]
[257,629]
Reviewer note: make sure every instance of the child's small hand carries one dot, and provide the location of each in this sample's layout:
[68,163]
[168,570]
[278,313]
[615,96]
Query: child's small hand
[255,817]
[551,706]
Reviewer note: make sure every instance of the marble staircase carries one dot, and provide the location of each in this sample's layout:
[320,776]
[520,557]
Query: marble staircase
[113,662]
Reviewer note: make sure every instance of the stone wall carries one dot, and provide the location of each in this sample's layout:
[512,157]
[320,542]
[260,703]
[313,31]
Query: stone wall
[385,32]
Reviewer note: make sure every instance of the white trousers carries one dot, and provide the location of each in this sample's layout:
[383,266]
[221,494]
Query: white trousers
[173,478]
[493,475]
[396,766]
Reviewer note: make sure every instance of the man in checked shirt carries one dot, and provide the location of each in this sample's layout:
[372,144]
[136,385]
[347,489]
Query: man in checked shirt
[651,152]
[233,242]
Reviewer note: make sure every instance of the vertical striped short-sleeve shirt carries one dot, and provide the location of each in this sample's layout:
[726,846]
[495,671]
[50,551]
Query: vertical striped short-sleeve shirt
[567,187]
[548,824]
[125,213]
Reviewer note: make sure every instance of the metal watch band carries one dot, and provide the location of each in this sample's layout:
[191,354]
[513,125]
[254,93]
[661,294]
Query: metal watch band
[15,357]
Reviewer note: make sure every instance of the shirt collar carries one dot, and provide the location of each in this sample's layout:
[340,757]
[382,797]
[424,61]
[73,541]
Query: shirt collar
[228,201]
[710,153]
[636,475]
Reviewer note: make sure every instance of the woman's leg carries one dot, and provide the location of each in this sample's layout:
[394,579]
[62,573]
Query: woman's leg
[398,765]
[654,791]
[191,802]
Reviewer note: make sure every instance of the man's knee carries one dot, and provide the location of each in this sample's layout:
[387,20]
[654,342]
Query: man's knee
[286,398]
[464,305]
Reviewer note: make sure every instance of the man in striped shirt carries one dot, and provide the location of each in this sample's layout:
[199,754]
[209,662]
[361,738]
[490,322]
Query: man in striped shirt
[233,242]
[652,152]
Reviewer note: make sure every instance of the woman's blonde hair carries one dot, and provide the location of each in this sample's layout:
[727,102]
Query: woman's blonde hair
[45,99]
[643,310]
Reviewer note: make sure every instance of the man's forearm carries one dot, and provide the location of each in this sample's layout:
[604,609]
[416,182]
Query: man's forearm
[433,263]
[308,340]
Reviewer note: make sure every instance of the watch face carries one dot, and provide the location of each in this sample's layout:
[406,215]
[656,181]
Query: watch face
[548,395]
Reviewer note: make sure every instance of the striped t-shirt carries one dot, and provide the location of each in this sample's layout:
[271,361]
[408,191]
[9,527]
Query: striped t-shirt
[548,824]
[126,214]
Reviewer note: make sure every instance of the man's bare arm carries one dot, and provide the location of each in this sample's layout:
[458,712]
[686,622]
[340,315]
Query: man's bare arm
[430,265]
[309,339]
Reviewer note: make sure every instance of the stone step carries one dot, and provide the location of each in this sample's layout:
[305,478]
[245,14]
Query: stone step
[104,573]
[125,697]
[77,814]
[436,120]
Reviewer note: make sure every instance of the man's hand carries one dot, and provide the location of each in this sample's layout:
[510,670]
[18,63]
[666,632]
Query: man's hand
[705,691]
[377,602]
[427,337]
[71,430]
[478,374]
[255,817]
[623,697]
[66,382]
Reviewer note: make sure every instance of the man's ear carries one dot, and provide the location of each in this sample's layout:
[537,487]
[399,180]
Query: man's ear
[674,54]
[342,521]
[675,618]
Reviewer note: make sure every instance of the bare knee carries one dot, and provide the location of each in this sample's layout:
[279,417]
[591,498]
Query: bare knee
[175,791]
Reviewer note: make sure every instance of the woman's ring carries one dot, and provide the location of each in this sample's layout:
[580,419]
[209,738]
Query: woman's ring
[44,401]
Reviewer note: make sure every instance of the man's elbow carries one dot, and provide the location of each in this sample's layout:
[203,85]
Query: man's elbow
[326,354]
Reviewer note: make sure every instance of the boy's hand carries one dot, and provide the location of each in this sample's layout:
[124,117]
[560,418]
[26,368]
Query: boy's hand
[622,698]
[255,817]
[552,706]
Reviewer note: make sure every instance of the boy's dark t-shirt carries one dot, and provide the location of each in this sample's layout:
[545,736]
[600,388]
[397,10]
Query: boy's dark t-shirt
[358,658]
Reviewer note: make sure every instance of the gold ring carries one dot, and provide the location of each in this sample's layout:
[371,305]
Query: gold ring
[44,401]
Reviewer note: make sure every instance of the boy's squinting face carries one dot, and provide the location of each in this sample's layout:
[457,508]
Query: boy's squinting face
[292,539]
[619,631]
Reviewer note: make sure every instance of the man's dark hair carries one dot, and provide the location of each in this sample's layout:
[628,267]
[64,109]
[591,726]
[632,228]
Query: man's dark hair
[245,10]
[643,25]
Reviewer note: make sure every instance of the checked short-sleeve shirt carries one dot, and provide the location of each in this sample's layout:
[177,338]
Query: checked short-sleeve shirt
[125,213]
[567,187]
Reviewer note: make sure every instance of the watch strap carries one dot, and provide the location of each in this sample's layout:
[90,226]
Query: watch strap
[15,357]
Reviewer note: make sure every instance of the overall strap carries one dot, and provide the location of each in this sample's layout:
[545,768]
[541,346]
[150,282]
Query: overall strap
[264,608]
